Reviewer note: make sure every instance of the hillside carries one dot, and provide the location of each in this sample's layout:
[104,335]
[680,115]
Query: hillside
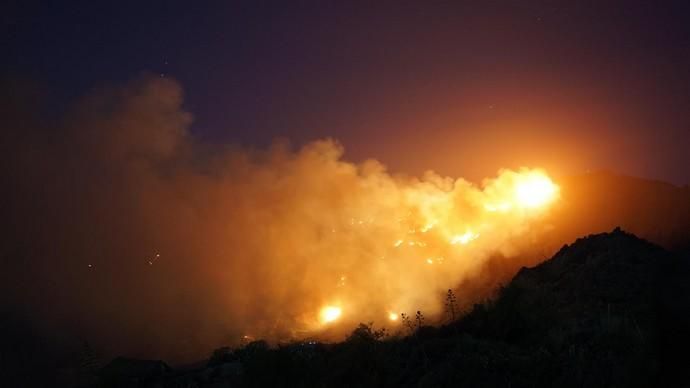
[596,202]
[600,201]
[608,310]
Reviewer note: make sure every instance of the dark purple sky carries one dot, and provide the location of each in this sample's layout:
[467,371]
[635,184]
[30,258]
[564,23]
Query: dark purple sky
[463,88]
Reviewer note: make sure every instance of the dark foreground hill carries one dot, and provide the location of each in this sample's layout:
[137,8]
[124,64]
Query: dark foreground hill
[610,310]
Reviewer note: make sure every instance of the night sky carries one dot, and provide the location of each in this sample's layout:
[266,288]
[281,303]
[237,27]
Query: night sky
[463,88]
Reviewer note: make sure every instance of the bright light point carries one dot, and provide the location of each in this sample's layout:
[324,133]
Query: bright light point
[535,190]
[427,227]
[398,243]
[330,313]
[430,261]
[464,238]
[393,316]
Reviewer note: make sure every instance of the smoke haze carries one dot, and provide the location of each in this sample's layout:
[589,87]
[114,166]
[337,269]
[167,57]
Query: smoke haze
[123,230]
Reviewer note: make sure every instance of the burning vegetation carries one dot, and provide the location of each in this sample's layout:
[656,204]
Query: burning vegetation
[441,234]
[279,244]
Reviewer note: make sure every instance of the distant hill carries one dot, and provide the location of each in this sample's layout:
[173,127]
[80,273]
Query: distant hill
[610,310]
[590,203]
[594,203]
[598,202]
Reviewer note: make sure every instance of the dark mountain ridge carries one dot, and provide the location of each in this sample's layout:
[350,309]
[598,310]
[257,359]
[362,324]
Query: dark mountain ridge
[600,201]
[608,310]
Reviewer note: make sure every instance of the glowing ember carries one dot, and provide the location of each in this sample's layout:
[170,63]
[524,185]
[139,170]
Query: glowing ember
[428,227]
[330,314]
[464,238]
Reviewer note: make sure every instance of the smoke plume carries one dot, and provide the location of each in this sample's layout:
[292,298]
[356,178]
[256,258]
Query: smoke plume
[125,230]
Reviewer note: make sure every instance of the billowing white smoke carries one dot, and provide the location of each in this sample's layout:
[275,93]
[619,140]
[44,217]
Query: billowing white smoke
[157,245]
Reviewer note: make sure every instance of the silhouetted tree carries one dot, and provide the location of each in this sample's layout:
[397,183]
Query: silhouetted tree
[419,318]
[407,322]
[366,332]
[451,305]
[88,361]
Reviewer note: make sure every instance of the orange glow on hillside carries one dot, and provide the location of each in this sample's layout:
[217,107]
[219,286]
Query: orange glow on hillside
[426,238]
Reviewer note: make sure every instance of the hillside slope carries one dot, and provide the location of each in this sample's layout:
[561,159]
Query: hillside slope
[608,310]
[599,201]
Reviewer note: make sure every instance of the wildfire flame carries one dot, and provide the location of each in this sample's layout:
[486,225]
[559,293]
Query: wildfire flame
[281,243]
[464,238]
[330,314]
[534,190]
[434,233]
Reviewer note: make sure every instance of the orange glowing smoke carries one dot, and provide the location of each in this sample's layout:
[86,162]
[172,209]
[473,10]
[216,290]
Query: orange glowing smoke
[449,226]
[273,244]
[279,243]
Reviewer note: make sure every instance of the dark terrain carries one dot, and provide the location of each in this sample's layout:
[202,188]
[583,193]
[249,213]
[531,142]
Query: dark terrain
[609,310]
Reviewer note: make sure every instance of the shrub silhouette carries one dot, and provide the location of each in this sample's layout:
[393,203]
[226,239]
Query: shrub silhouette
[221,355]
[365,332]
[451,305]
